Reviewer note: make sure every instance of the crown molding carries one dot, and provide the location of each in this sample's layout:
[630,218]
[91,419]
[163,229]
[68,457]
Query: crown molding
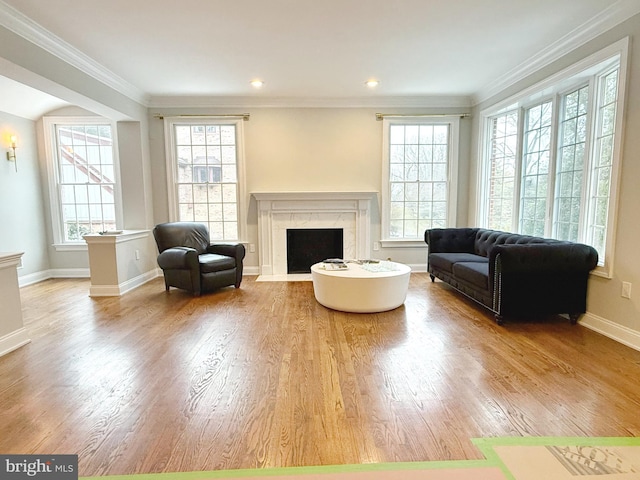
[33,32]
[613,15]
[187,101]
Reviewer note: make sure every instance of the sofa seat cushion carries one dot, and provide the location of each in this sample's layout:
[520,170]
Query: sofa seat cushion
[445,261]
[476,273]
[212,262]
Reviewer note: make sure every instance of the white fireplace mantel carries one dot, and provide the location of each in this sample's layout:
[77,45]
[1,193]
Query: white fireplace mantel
[278,211]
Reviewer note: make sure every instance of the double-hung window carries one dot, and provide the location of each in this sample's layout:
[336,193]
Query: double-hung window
[551,158]
[419,177]
[205,174]
[83,173]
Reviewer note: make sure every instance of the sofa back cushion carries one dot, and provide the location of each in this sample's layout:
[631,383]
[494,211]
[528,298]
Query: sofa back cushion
[456,240]
[487,239]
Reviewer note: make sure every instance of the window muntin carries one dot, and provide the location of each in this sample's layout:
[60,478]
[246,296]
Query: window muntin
[584,163]
[204,157]
[419,172]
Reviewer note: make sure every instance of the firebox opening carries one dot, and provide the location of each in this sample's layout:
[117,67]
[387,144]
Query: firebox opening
[306,246]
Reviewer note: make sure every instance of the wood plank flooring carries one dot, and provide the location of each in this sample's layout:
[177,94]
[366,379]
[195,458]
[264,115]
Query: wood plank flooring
[264,376]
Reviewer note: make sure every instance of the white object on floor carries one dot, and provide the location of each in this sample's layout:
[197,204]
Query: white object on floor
[361,288]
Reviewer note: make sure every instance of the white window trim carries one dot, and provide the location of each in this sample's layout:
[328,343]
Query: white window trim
[172,174]
[53,176]
[454,145]
[558,83]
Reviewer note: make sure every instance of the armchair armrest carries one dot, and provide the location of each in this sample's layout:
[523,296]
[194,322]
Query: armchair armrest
[235,250]
[178,258]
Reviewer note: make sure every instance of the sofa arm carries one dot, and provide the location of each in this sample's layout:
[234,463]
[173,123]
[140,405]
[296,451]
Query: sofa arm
[457,240]
[543,258]
[235,250]
[178,258]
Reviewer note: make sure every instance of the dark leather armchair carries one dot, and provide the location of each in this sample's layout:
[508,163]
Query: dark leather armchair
[189,261]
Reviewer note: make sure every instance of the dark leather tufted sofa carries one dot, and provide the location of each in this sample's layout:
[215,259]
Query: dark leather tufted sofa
[189,261]
[512,274]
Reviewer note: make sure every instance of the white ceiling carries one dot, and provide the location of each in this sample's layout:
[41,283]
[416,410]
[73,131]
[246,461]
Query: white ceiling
[319,49]
[23,101]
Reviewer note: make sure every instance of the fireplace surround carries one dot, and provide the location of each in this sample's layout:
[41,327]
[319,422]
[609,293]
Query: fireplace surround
[279,211]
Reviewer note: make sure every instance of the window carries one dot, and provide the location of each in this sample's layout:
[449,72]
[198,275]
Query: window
[502,177]
[550,164]
[204,163]
[419,175]
[570,164]
[535,169]
[84,188]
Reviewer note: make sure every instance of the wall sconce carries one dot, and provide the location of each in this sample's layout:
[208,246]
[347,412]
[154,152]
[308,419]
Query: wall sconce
[11,154]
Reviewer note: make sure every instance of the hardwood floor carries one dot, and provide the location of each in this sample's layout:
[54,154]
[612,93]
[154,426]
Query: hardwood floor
[264,376]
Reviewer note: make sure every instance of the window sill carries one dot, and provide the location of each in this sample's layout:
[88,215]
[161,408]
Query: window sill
[70,247]
[602,271]
[402,243]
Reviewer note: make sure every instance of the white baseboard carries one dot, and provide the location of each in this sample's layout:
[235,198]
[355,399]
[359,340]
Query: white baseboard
[250,270]
[13,341]
[615,331]
[36,277]
[32,278]
[122,288]
[419,267]
[70,273]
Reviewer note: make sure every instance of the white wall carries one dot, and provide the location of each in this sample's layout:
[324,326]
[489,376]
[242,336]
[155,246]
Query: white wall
[22,217]
[308,149]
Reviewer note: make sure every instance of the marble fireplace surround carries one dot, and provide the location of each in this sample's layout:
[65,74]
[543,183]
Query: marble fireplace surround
[278,211]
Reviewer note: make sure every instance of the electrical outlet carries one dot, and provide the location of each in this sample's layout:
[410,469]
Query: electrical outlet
[626,289]
[252,248]
[376,246]
[137,254]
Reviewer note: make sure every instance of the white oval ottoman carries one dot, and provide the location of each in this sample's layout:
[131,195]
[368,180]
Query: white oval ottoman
[366,288]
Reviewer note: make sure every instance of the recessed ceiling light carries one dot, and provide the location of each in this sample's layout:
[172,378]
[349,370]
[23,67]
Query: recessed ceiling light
[257,83]
[372,83]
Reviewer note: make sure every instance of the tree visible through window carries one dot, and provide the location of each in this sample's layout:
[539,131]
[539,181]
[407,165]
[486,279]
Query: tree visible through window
[502,165]
[535,169]
[418,156]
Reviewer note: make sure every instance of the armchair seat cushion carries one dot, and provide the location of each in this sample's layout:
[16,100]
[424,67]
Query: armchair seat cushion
[212,262]
[445,261]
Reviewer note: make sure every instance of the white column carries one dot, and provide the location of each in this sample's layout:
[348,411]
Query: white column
[120,262]
[13,335]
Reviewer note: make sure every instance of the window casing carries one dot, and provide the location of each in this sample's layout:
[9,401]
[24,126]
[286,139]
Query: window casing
[205,174]
[419,178]
[83,175]
[551,157]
